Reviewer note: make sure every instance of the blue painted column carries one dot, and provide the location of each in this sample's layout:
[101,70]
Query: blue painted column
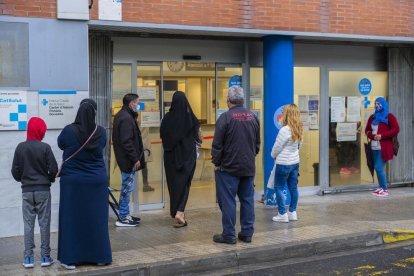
[278,91]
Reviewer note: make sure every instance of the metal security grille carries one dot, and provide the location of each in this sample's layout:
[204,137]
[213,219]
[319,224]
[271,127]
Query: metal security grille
[100,81]
[401,100]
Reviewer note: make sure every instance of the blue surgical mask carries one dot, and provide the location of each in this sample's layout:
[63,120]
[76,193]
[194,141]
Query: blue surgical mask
[378,107]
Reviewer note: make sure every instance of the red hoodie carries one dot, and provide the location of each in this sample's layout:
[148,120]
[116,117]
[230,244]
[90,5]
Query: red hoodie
[34,164]
[36,129]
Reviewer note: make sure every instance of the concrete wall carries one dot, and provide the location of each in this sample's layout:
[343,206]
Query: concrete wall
[58,57]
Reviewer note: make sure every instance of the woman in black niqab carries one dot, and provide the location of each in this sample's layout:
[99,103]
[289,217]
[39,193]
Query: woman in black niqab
[179,133]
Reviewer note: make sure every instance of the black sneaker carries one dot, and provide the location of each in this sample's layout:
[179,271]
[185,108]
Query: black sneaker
[247,239]
[136,219]
[126,223]
[220,239]
[147,188]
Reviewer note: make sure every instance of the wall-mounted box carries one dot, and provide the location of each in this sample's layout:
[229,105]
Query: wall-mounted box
[73,9]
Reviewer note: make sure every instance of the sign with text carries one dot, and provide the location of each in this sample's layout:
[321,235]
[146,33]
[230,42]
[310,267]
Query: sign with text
[364,86]
[58,108]
[236,80]
[150,119]
[346,132]
[13,110]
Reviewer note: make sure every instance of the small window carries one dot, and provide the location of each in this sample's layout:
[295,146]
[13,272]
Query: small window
[14,54]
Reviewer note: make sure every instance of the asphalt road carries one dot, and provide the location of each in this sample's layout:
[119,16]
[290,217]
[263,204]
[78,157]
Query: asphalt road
[384,261]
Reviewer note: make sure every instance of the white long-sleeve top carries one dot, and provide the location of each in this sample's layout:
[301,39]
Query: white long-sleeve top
[284,150]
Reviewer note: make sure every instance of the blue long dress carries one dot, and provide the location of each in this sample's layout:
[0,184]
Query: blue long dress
[83,210]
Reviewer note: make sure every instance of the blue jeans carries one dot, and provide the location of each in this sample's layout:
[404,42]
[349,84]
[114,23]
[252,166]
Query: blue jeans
[124,198]
[227,187]
[286,175]
[379,168]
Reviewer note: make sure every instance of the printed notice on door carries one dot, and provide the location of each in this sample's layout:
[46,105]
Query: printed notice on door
[337,109]
[150,118]
[147,94]
[353,111]
[346,132]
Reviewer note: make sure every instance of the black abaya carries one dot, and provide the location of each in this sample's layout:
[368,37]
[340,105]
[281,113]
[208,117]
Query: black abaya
[179,180]
[179,133]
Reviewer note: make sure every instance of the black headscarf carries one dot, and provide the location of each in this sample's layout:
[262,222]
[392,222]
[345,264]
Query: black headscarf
[85,124]
[178,122]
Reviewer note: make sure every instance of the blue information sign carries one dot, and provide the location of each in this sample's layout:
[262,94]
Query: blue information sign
[364,86]
[236,80]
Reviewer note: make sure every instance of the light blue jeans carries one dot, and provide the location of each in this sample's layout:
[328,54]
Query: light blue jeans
[124,197]
[286,175]
[379,168]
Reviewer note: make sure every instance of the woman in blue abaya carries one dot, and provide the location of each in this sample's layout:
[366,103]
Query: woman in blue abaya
[83,210]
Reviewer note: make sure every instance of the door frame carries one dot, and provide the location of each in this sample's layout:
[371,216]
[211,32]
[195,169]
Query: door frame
[324,172]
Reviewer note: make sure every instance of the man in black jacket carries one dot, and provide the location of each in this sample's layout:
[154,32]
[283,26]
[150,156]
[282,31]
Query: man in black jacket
[235,146]
[129,154]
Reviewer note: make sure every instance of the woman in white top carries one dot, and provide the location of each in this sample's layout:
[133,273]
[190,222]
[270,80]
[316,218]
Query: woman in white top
[286,154]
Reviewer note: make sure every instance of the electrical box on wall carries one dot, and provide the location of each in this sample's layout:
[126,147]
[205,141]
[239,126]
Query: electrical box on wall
[73,9]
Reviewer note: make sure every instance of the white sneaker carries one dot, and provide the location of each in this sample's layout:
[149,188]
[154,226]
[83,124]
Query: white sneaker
[68,267]
[292,216]
[281,218]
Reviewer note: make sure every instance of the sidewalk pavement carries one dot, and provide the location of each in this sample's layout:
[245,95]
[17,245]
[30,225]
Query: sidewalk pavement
[346,218]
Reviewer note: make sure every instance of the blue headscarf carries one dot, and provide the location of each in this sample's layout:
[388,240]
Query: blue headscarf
[381,112]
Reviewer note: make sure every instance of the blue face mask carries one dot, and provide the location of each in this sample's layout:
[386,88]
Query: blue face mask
[378,107]
[137,108]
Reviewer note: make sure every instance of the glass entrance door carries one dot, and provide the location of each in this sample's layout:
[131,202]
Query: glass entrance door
[150,190]
[349,111]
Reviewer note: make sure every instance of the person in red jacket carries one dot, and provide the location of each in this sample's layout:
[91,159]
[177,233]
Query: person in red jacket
[381,127]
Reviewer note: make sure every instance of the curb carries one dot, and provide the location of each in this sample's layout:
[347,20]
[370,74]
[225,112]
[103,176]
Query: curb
[264,254]
[396,235]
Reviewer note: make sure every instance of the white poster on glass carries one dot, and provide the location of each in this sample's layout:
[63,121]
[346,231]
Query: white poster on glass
[303,102]
[353,111]
[58,108]
[337,109]
[346,132]
[147,93]
[13,110]
[150,119]
[305,121]
[313,121]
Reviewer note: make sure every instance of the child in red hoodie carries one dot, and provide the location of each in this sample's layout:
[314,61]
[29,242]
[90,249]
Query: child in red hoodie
[34,165]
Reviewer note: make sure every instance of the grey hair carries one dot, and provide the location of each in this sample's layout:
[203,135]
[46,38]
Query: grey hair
[236,95]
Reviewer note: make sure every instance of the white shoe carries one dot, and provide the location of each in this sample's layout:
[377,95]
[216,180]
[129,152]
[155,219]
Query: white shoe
[68,267]
[281,218]
[292,216]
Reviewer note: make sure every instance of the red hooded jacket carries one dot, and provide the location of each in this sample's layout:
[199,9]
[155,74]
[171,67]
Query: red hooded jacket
[36,129]
[34,164]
